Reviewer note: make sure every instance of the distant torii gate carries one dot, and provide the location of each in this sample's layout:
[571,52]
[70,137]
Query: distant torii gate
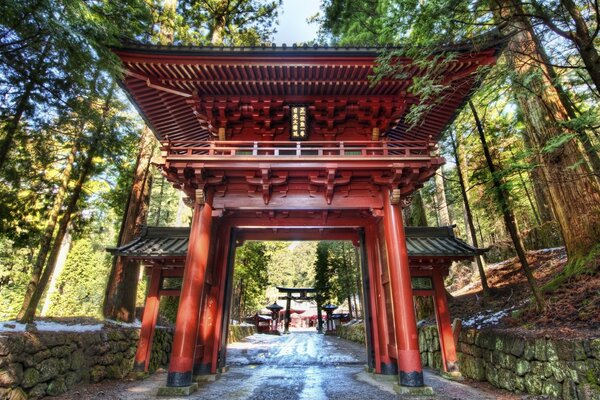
[302,295]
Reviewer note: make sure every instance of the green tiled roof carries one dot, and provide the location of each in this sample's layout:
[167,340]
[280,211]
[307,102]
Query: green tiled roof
[162,242]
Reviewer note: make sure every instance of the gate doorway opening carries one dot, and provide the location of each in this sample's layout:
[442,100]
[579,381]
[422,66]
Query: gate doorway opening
[280,286]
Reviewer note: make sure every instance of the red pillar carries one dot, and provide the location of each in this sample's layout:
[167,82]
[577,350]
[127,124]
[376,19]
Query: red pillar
[211,322]
[448,349]
[186,327]
[407,342]
[144,349]
[383,363]
[220,285]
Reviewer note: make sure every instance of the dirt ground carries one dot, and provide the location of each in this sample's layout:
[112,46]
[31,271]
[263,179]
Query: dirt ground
[573,310]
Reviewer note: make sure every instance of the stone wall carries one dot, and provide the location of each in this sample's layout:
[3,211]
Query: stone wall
[565,369]
[37,364]
[354,332]
[238,332]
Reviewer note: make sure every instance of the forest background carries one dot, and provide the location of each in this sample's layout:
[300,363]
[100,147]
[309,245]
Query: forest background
[523,167]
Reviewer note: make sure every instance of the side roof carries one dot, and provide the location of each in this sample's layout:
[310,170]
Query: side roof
[161,242]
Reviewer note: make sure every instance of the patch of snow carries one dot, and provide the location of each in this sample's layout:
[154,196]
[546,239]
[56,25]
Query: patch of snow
[12,326]
[59,327]
[135,324]
[49,326]
[550,250]
[487,318]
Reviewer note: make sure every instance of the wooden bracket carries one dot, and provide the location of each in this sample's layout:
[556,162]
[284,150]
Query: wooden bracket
[395,196]
[266,182]
[330,182]
[200,196]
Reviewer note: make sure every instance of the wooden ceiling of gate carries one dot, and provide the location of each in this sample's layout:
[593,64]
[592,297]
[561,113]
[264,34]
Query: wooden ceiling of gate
[189,93]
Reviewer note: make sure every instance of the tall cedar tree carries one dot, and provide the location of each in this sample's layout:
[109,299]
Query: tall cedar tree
[240,22]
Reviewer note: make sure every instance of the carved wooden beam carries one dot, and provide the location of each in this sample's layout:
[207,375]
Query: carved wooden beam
[266,182]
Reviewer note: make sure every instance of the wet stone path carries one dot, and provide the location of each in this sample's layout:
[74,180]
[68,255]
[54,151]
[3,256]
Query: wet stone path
[300,366]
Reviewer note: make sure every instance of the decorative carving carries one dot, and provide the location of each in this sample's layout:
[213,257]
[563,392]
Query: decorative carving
[200,198]
[329,182]
[188,201]
[265,182]
[406,201]
[395,196]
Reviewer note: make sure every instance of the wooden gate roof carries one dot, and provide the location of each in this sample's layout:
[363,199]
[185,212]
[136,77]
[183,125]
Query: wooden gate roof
[187,93]
[162,242]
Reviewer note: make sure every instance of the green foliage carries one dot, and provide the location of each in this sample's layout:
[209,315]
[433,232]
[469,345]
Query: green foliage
[79,286]
[291,264]
[323,273]
[250,278]
[168,308]
[238,23]
[337,272]
[15,265]
[355,22]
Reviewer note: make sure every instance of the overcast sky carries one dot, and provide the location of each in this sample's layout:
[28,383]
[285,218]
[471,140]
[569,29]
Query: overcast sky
[293,27]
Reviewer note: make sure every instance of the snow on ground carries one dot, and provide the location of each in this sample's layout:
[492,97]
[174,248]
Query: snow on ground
[12,326]
[135,324]
[48,326]
[487,318]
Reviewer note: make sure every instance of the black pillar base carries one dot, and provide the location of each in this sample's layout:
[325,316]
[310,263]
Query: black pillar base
[179,379]
[139,367]
[389,369]
[202,369]
[412,379]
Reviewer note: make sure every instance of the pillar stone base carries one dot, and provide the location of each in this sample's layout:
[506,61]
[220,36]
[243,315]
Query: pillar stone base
[413,391]
[222,370]
[453,376]
[177,391]
[199,379]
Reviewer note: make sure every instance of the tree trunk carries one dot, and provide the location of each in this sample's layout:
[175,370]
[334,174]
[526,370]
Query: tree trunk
[470,225]
[440,196]
[121,289]
[120,296]
[359,290]
[30,304]
[585,42]
[540,187]
[46,239]
[13,125]
[527,194]
[563,97]
[574,191]
[160,200]
[509,218]
[416,211]
[65,246]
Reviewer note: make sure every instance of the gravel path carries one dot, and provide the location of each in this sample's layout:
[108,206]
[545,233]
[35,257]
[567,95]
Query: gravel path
[300,366]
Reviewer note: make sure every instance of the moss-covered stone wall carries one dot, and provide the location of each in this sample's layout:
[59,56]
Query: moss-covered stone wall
[354,332]
[564,369]
[37,364]
[238,332]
